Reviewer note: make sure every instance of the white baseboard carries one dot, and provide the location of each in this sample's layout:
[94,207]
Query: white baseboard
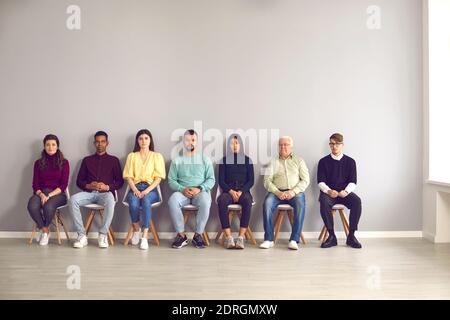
[429,236]
[258,235]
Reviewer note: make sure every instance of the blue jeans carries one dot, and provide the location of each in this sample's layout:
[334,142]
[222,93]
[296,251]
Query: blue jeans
[177,200]
[271,202]
[80,199]
[145,204]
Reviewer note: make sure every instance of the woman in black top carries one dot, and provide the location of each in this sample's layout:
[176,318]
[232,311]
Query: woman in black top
[236,178]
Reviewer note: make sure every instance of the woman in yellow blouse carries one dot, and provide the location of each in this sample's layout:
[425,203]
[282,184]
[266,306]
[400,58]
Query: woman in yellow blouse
[143,171]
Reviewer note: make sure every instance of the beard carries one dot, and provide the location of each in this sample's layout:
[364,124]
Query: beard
[190,148]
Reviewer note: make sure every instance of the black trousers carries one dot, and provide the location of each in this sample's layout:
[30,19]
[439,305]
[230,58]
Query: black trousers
[352,201]
[225,200]
[43,214]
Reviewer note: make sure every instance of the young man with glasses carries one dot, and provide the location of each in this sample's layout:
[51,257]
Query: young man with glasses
[336,175]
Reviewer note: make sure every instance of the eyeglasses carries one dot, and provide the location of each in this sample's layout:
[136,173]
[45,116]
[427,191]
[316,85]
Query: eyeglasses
[332,144]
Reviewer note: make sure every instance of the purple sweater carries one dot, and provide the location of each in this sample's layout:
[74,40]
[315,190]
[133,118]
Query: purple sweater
[51,177]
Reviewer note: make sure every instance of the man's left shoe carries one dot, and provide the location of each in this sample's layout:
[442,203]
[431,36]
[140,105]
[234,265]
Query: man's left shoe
[198,242]
[353,242]
[102,241]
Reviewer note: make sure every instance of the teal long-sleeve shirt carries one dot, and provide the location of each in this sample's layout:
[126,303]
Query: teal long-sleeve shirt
[191,171]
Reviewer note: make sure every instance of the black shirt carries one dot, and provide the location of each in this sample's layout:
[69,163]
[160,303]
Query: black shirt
[239,177]
[337,174]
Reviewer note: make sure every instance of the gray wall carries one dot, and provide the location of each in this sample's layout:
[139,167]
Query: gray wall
[308,68]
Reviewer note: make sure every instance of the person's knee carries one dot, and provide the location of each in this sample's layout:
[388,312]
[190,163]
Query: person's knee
[204,199]
[224,199]
[356,199]
[246,200]
[49,209]
[109,200]
[269,201]
[175,200]
[325,200]
[73,201]
[134,205]
[34,203]
[299,200]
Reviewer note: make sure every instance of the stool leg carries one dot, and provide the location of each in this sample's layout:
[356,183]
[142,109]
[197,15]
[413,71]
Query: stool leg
[60,220]
[278,221]
[302,238]
[154,232]
[89,221]
[33,234]
[110,236]
[129,234]
[291,217]
[58,235]
[249,233]
[230,217]
[206,238]
[344,222]
[113,234]
[219,235]
[323,233]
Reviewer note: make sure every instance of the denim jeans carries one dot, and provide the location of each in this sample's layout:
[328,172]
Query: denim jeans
[135,204]
[177,200]
[43,214]
[105,199]
[269,211]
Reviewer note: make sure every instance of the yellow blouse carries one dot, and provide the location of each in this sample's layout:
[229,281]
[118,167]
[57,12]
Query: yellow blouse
[153,167]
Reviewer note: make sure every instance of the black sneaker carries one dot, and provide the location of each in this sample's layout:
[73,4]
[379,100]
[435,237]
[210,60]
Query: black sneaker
[180,241]
[198,242]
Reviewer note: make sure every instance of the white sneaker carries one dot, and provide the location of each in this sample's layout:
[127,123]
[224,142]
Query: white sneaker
[293,245]
[81,242]
[102,241]
[266,244]
[136,237]
[39,236]
[43,241]
[144,244]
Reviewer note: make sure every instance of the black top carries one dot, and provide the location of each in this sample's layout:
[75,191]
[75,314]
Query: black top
[237,176]
[101,168]
[337,174]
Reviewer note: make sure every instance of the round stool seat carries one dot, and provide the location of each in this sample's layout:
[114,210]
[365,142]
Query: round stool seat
[284,207]
[339,207]
[94,206]
[190,207]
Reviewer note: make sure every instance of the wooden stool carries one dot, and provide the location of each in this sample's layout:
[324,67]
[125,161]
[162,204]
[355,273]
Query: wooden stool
[152,224]
[187,211]
[336,208]
[57,220]
[94,209]
[91,216]
[233,211]
[285,208]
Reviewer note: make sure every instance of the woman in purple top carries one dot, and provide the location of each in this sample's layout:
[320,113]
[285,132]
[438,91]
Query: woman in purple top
[50,179]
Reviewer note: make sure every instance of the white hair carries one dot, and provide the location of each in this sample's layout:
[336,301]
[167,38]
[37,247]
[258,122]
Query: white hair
[287,138]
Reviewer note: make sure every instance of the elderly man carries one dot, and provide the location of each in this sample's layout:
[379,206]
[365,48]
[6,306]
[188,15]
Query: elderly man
[286,181]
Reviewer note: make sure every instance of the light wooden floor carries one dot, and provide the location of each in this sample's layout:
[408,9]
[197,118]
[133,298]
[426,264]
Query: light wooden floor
[383,269]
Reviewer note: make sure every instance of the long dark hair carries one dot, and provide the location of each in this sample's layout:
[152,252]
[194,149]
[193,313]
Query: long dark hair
[136,143]
[230,156]
[59,159]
